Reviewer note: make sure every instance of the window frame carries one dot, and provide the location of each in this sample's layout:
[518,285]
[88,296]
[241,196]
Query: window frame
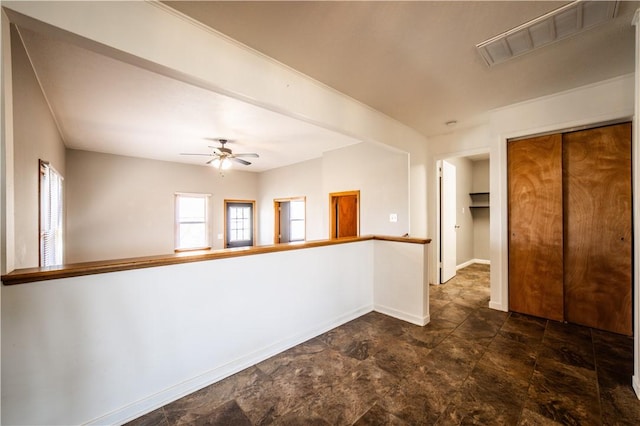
[48,173]
[229,244]
[177,222]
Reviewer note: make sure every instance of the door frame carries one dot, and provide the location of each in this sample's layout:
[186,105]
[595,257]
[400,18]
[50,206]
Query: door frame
[276,215]
[435,256]
[253,220]
[333,199]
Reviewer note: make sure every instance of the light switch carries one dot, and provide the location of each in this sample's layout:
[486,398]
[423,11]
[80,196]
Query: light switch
[393,217]
[219,236]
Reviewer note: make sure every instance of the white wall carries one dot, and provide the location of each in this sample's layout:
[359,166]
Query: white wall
[381,175]
[298,180]
[480,171]
[36,138]
[120,207]
[401,288]
[103,349]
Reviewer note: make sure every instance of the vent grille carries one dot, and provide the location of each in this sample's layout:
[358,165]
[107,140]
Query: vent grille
[558,24]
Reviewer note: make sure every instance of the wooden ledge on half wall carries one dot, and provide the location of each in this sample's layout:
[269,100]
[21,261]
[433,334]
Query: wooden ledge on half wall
[28,275]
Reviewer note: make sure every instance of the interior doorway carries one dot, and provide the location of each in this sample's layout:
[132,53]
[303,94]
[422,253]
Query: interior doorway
[344,214]
[289,225]
[462,214]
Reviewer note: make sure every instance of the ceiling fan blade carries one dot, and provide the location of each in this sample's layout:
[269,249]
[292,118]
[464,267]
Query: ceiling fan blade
[247,155]
[210,161]
[239,160]
[191,153]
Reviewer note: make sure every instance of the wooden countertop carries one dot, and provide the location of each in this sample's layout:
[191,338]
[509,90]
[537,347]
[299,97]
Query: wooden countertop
[27,275]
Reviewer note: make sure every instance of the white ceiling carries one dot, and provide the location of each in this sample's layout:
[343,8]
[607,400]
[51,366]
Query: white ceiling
[414,61]
[104,105]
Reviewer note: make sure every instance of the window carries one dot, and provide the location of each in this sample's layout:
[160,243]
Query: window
[239,223]
[192,224]
[51,214]
[296,218]
[289,220]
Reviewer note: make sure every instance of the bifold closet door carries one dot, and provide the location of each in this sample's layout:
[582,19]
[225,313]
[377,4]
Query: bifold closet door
[597,227]
[535,226]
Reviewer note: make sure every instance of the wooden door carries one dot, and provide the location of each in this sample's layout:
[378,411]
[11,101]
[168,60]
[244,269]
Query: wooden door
[344,214]
[597,223]
[535,226]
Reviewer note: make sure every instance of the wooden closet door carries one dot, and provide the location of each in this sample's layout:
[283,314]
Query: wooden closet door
[597,223]
[535,226]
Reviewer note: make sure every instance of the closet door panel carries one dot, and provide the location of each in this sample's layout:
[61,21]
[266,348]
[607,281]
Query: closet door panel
[535,226]
[597,224]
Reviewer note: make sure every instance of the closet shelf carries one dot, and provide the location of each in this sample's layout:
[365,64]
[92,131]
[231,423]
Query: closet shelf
[479,200]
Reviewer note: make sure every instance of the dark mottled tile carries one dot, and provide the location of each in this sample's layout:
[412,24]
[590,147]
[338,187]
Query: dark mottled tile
[511,357]
[377,416]
[154,418]
[455,357]
[620,405]
[206,400]
[490,397]
[227,414]
[564,393]
[482,325]
[431,334]
[401,358]
[436,304]
[524,329]
[570,332]
[614,357]
[578,352]
[531,418]
[453,312]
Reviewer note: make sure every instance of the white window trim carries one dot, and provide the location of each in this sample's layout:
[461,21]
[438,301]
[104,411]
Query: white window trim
[177,222]
[45,226]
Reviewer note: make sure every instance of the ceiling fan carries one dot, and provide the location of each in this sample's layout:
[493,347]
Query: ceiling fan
[223,156]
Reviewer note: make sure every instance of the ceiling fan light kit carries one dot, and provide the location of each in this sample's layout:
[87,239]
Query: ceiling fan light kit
[224,157]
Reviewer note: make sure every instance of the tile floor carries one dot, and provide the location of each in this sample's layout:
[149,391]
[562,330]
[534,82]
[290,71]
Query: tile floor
[469,365]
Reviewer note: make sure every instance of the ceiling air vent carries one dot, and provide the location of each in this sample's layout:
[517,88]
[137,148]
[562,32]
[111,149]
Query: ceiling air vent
[561,23]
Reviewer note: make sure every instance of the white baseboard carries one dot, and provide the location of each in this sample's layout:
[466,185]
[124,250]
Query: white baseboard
[635,382]
[404,316]
[153,402]
[497,306]
[472,261]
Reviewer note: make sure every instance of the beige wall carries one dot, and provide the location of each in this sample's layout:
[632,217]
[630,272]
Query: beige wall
[36,137]
[480,172]
[382,176]
[124,207]
[297,180]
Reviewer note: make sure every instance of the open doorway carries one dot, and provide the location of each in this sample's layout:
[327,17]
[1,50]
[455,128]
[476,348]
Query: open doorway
[289,214]
[462,214]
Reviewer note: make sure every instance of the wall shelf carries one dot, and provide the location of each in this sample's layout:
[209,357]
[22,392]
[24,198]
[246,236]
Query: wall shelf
[479,200]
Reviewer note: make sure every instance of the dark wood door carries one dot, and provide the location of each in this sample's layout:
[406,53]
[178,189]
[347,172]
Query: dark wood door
[344,215]
[598,232]
[535,226]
